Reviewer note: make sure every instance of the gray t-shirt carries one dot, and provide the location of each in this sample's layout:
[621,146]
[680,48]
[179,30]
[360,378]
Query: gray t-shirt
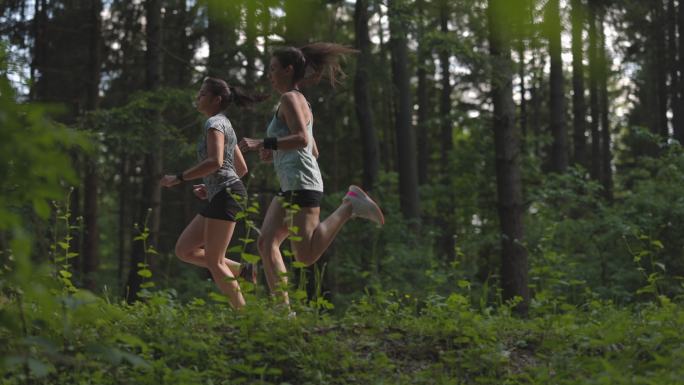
[226,175]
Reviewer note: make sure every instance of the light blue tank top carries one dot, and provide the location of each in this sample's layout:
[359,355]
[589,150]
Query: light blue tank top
[296,169]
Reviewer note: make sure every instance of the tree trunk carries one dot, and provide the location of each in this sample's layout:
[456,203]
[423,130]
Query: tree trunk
[423,112]
[153,160]
[250,51]
[406,144]
[445,98]
[559,147]
[507,148]
[388,92]
[579,109]
[660,68]
[523,89]
[606,155]
[679,125]
[90,206]
[362,100]
[124,216]
[446,221]
[672,62]
[595,170]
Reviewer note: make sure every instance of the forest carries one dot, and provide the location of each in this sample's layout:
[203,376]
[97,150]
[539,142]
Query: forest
[526,155]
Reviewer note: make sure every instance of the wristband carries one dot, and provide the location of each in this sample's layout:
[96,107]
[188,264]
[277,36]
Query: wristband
[271,143]
[179,176]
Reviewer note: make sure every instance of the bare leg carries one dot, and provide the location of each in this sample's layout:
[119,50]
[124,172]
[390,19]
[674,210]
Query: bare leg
[190,246]
[317,236]
[217,234]
[273,233]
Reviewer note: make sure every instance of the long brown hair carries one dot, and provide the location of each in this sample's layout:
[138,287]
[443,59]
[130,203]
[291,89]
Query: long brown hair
[230,94]
[323,58]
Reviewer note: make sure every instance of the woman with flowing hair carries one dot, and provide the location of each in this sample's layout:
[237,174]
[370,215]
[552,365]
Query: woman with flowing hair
[221,164]
[290,145]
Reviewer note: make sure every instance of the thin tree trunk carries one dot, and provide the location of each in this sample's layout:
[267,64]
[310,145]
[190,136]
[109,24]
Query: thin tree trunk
[92,234]
[679,125]
[387,101]
[445,98]
[362,100]
[523,89]
[446,221]
[661,70]
[423,127]
[595,170]
[606,155]
[250,51]
[124,219]
[406,144]
[559,148]
[507,147]
[579,108]
[672,62]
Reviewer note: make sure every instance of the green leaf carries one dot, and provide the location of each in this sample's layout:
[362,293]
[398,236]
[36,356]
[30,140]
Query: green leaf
[235,249]
[145,273]
[63,245]
[299,295]
[298,265]
[65,273]
[218,297]
[251,258]
[295,238]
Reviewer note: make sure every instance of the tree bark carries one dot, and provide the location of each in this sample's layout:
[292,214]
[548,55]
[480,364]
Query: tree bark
[672,63]
[423,101]
[362,100]
[595,170]
[579,108]
[507,147]
[90,203]
[661,125]
[445,98]
[679,124]
[559,147]
[606,155]
[406,144]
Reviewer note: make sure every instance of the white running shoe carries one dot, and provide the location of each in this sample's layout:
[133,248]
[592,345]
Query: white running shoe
[363,206]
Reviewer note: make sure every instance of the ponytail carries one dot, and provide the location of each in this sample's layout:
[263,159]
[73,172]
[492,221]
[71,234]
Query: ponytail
[322,59]
[232,95]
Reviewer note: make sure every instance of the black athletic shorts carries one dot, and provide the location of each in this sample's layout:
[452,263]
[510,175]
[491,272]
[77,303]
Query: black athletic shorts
[303,198]
[224,205]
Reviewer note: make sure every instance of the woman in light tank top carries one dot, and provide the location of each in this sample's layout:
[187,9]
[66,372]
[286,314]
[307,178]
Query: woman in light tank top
[290,145]
[221,165]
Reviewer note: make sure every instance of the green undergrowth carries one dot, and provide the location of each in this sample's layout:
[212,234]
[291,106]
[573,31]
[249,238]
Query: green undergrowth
[383,338]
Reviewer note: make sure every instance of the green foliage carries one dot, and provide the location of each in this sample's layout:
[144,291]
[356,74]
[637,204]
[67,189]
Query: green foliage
[383,338]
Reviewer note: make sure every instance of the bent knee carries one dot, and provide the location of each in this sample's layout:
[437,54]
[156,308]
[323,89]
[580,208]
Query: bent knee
[183,253]
[264,243]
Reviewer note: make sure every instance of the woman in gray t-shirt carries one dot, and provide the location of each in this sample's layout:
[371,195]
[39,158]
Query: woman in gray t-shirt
[290,145]
[221,165]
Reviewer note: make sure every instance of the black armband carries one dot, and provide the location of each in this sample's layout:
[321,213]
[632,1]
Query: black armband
[271,143]
[179,176]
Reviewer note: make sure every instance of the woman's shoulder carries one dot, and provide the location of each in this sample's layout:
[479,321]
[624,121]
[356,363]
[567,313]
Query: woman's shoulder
[218,121]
